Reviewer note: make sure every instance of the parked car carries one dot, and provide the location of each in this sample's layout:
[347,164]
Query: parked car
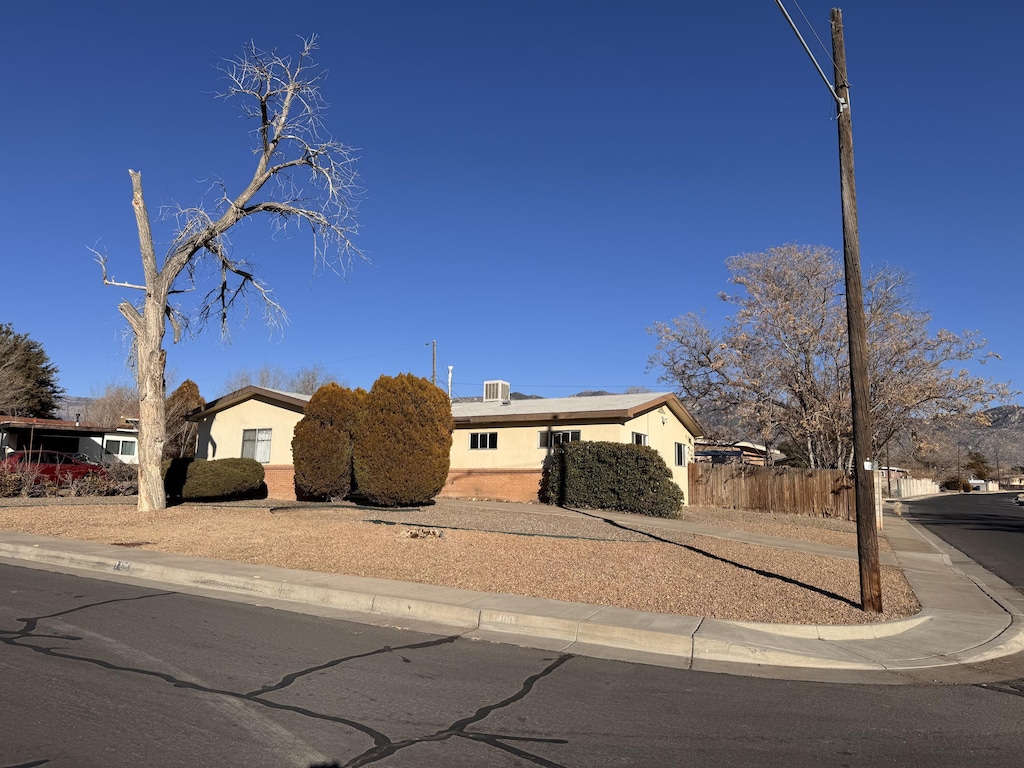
[53,466]
[1019,499]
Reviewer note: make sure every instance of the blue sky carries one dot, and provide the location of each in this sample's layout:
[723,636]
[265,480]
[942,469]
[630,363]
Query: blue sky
[543,180]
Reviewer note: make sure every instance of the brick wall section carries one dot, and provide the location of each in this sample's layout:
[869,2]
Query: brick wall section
[492,484]
[280,480]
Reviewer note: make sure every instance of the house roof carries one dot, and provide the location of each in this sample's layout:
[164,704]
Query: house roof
[56,425]
[292,401]
[590,408]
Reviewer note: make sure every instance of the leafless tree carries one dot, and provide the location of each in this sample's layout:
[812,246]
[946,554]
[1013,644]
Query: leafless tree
[305,380]
[116,403]
[301,177]
[779,366]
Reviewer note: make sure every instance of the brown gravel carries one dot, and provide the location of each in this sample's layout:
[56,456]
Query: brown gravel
[548,553]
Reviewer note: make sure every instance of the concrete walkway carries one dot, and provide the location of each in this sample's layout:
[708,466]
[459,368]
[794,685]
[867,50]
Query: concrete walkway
[970,628]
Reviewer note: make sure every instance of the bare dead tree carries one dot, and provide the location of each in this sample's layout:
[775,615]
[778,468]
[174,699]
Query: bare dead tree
[301,177]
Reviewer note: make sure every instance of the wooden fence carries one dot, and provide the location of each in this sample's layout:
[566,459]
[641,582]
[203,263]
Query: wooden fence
[814,492]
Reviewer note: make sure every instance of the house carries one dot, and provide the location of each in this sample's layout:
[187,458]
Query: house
[94,441]
[255,423]
[743,452]
[498,446]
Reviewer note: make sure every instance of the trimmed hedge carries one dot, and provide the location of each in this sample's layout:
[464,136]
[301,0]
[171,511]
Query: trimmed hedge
[194,479]
[403,441]
[617,476]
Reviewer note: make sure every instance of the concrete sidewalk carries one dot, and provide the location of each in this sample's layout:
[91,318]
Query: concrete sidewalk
[970,628]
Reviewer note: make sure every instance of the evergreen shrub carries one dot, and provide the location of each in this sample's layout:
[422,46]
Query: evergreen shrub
[616,476]
[403,441]
[322,443]
[195,479]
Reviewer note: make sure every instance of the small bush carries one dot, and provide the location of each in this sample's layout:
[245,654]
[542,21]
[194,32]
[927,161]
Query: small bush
[403,441]
[198,479]
[10,483]
[120,480]
[616,476]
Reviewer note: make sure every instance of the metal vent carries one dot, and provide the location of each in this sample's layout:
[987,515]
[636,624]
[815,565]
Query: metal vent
[497,391]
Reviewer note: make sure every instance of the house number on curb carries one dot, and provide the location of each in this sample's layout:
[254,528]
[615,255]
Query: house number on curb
[122,565]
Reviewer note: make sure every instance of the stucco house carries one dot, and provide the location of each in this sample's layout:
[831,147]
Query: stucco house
[498,446]
[255,423]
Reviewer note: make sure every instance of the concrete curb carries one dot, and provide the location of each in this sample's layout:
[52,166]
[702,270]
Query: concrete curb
[982,623]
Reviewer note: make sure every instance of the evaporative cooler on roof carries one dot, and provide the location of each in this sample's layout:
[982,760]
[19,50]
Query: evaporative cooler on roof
[497,391]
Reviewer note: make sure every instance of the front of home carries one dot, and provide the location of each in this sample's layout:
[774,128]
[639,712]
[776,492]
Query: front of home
[498,446]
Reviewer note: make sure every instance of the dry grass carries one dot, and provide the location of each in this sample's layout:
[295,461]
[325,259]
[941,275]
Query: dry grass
[543,553]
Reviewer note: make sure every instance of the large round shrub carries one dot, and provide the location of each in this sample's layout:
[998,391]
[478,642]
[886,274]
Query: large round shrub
[322,443]
[617,476]
[403,442]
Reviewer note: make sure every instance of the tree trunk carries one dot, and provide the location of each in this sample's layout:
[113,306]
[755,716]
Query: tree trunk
[150,359]
[150,364]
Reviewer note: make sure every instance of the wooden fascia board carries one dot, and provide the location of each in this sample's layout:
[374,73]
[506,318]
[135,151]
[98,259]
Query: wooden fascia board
[248,393]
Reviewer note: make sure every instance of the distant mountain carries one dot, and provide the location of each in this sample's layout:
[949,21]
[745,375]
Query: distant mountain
[1006,417]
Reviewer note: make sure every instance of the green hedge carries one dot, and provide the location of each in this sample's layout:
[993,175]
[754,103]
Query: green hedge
[194,479]
[617,476]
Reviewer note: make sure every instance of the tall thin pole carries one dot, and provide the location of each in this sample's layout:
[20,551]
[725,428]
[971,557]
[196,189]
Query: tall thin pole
[867,535]
[433,367]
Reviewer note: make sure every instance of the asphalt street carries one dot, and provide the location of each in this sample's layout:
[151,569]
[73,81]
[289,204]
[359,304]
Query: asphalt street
[988,528]
[98,673]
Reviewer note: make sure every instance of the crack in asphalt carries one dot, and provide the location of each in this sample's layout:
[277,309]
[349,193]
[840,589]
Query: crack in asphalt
[383,746]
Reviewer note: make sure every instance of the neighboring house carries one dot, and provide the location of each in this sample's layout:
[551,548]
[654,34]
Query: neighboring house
[743,452]
[255,423]
[498,446]
[95,442]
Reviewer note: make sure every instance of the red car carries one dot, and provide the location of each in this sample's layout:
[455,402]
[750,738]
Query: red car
[53,466]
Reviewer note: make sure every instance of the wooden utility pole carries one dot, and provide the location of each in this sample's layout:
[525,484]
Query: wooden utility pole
[867,534]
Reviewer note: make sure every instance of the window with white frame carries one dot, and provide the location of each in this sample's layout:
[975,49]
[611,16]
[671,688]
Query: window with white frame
[119,448]
[256,445]
[551,438]
[639,438]
[681,454]
[479,441]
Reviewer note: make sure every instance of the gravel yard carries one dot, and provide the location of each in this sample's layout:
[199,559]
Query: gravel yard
[547,552]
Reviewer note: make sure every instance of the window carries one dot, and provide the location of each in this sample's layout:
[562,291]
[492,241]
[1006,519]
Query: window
[120,447]
[552,438]
[681,454]
[483,440]
[639,438]
[256,445]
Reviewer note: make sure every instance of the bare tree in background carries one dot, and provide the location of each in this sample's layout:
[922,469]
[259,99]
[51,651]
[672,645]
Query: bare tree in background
[305,380]
[301,177]
[779,367]
[110,409]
